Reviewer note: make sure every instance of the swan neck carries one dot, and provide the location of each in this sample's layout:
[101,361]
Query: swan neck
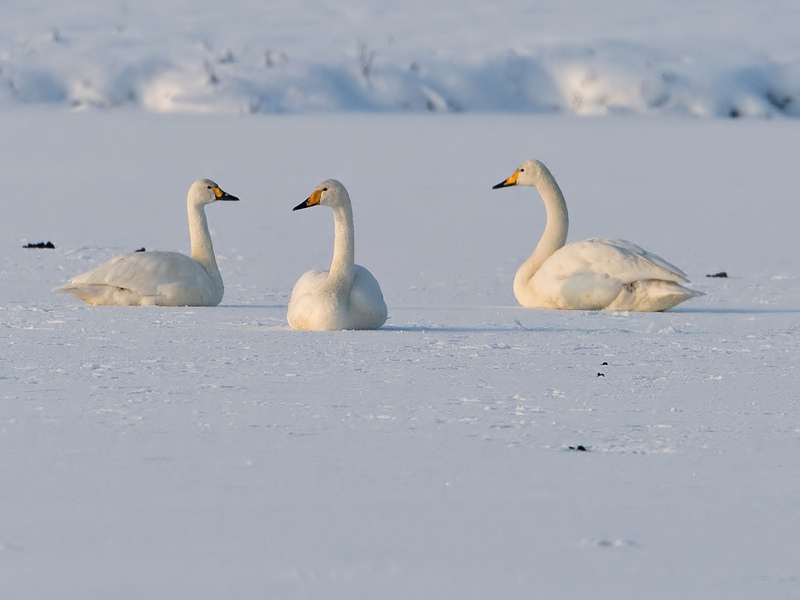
[202,248]
[343,265]
[555,230]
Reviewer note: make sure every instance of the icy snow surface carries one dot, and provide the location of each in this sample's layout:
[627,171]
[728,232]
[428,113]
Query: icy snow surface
[213,453]
[207,453]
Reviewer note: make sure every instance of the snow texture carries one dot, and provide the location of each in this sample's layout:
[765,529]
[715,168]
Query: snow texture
[208,453]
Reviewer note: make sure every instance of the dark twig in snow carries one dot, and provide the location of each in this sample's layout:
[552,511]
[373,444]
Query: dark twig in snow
[366,59]
[212,76]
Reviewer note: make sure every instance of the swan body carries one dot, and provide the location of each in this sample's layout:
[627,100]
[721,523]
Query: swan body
[593,274]
[347,296]
[160,278]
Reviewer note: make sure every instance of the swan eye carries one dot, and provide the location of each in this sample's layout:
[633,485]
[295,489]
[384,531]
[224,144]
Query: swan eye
[324,189]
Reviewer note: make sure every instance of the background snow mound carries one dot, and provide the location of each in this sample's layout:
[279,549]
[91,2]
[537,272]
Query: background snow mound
[213,70]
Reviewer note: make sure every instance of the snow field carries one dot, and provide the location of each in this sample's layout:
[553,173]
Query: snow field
[212,453]
[206,453]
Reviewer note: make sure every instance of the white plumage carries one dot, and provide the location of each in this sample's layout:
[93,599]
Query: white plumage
[161,278]
[347,296]
[594,274]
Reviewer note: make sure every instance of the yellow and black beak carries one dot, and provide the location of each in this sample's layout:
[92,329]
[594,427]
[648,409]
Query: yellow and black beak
[312,200]
[221,195]
[508,182]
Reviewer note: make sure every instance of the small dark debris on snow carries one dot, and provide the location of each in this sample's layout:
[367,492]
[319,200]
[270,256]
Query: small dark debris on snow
[140,249]
[720,274]
[778,100]
[601,374]
[580,448]
[40,245]
[603,364]
[521,326]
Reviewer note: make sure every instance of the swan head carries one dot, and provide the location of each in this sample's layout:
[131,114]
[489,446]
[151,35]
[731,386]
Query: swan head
[328,193]
[531,172]
[205,191]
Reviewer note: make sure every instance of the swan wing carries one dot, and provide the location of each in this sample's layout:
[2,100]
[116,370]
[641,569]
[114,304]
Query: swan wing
[367,306]
[609,274]
[160,278]
[308,285]
[618,259]
[309,306]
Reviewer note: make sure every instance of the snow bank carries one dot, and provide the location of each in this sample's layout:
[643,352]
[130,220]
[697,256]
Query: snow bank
[351,59]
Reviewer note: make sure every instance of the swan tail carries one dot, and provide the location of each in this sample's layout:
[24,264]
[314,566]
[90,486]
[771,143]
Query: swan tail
[652,295]
[104,295]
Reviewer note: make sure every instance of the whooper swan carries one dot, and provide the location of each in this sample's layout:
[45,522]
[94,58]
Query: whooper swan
[347,296]
[594,274]
[160,278]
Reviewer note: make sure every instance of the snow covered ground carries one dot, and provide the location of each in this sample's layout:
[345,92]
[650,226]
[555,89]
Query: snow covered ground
[211,453]
[207,453]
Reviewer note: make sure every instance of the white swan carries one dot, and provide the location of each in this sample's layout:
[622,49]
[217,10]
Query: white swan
[160,278]
[347,296]
[594,274]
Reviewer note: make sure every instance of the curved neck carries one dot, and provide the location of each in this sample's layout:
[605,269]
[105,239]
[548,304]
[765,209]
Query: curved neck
[555,231]
[343,265]
[202,248]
